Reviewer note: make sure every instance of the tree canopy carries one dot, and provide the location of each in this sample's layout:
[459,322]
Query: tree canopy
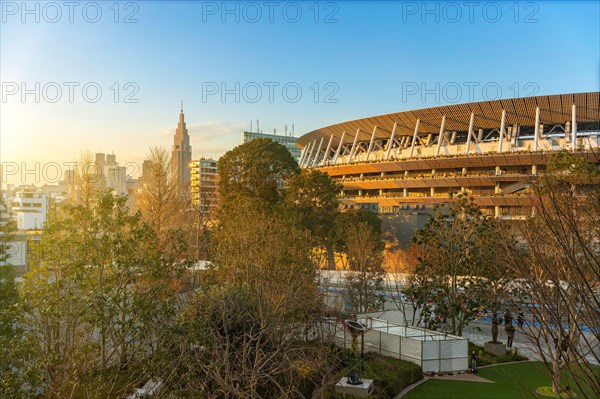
[258,169]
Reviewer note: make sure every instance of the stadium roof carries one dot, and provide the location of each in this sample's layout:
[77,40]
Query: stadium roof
[554,109]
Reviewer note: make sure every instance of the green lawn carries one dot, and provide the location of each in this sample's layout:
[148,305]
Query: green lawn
[517,380]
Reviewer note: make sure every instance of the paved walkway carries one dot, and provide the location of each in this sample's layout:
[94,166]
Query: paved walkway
[480,332]
[462,377]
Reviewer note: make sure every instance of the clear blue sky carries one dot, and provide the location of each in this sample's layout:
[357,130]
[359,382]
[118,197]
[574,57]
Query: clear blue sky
[377,57]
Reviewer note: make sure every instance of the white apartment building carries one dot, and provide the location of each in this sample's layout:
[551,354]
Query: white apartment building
[30,209]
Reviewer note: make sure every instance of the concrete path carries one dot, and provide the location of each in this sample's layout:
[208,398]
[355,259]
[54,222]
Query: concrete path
[462,377]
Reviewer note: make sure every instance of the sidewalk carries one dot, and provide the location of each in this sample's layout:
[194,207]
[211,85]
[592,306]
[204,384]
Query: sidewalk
[462,377]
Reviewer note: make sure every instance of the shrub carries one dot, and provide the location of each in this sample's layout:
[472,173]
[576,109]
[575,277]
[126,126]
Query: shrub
[484,358]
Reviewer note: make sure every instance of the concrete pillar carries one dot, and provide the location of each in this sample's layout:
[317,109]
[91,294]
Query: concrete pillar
[339,149]
[497,211]
[464,171]
[390,142]
[536,130]
[574,127]
[534,169]
[405,192]
[498,171]
[497,189]
[353,146]
[414,139]
[432,192]
[502,125]
[371,144]
[470,133]
[441,136]
[324,160]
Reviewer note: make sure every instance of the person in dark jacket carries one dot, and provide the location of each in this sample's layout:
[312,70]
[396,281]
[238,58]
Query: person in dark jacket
[520,318]
[510,332]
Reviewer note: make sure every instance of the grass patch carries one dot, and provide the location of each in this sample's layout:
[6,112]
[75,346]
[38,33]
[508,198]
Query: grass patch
[516,380]
[390,375]
[547,392]
[484,358]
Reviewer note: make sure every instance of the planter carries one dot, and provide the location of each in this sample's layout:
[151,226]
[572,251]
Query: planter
[496,349]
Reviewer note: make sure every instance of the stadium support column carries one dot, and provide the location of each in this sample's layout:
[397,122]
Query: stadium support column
[312,147]
[502,127]
[371,143]
[354,145]
[470,133]
[536,137]
[574,128]
[442,136]
[327,151]
[302,155]
[314,162]
[391,142]
[414,139]
[339,149]
[536,130]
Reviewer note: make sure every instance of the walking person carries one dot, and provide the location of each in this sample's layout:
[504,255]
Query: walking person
[473,362]
[520,318]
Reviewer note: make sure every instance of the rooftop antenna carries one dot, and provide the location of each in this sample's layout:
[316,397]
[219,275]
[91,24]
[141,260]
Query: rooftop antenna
[182,106]
[257,127]
[274,131]
[250,125]
[286,132]
[292,130]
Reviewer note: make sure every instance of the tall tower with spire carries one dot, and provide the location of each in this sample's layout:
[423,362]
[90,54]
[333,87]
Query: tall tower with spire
[181,155]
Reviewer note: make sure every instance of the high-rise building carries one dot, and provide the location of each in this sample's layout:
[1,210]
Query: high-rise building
[204,178]
[181,155]
[288,142]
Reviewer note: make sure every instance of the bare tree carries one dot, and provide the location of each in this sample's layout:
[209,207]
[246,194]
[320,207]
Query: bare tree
[559,267]
[161,204]
[87,181]
[248,333]
[359,236]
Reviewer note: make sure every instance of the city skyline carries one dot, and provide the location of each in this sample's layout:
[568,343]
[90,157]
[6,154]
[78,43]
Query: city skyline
[209,52]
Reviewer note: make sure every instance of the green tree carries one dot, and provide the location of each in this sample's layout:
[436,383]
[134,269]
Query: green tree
[98,297]
[258,169]
[455,253]
[311,200]
[17,366]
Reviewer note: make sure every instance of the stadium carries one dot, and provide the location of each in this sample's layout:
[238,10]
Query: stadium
[402,164]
